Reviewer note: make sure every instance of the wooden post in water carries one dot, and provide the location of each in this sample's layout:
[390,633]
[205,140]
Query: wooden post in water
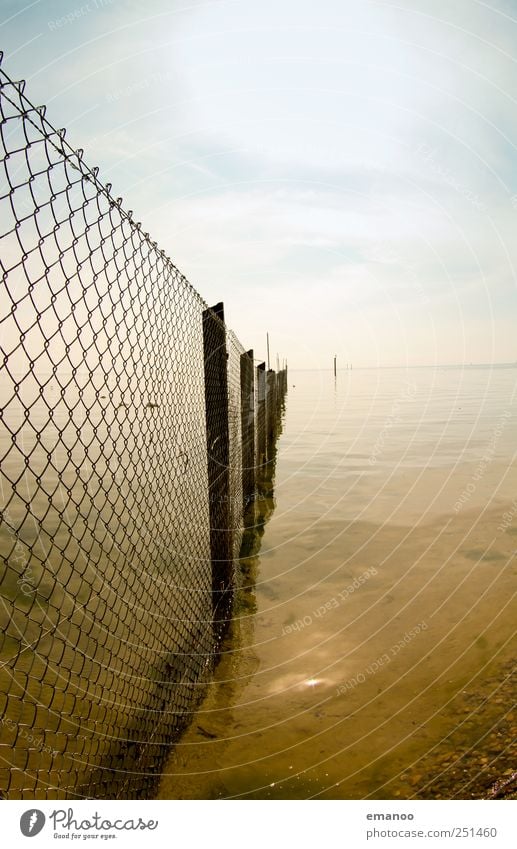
[248,428]
[261,417]
[335,365]
[218,448]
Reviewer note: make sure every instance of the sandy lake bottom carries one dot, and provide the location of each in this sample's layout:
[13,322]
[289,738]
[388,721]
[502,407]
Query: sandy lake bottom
[373,655]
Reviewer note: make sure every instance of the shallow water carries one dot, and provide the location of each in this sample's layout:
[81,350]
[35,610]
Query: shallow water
[384,616]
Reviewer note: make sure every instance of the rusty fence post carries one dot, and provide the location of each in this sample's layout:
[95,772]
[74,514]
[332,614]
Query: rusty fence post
[248,428]
[216,410]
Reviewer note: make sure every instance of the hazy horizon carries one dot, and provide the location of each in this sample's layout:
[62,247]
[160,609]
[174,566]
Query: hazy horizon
[416,365]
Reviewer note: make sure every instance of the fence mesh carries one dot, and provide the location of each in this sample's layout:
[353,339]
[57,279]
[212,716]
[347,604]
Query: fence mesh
[121,478]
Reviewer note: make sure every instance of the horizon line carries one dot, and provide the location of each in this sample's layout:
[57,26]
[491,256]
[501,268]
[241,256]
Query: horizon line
[509,364]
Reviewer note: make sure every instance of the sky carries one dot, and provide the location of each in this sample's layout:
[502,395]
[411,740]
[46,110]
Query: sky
[341,173]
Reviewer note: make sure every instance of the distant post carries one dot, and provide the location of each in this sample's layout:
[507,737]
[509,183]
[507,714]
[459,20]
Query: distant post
[335,365]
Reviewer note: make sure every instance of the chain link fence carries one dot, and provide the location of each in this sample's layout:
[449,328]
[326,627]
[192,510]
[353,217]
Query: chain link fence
[129,433]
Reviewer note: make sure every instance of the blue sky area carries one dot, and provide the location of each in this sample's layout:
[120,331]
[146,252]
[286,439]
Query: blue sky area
[342,173]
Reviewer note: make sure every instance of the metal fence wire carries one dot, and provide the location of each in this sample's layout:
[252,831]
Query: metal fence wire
[122,477]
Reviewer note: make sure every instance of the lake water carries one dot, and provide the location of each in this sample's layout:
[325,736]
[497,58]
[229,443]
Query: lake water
[375,660]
